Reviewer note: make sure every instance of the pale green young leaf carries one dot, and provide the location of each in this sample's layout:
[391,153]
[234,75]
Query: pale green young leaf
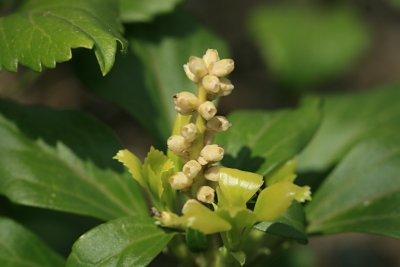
[41,33]
[20,247]
[145,10]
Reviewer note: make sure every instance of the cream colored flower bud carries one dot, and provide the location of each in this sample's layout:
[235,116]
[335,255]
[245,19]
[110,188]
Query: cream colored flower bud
[222,67]
[177,143]
[198,67]
[212,173]
[212,153]
[226,86]
[206,194]
[211,84]
[189,132]
[185,102]
[207,110]
[191,168]
[189,74]
[218,124]
[210,57]
[180,181]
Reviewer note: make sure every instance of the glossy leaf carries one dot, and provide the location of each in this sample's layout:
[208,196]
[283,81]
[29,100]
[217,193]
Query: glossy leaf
[261,141]
[128,241]
[36,174]
[20,247]
[43,32]
[347,119]
[144,81]
[304,45]
[145,10]
[362,194]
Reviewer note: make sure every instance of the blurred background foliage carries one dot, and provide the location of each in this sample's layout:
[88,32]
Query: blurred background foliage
[282,50]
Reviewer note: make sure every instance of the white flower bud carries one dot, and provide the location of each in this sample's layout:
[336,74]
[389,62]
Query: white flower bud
[185,102]
[206,194]
[189,74]
[198,67]
[212,153]
[212,173]
[226,86]
[211,84]
[191,168]
[218,124]
[210,57]
[222,67]
[177,144]
[180,181]
[189,132]
[207,110]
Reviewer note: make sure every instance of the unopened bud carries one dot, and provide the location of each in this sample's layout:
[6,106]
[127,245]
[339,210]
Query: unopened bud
[189,74]
[212,153]
[210,57]
[218,124]
[177,143]
[222,67]
[226,86]
[206,194]
[180,181]
[191,168]
[189,132]
[198,67]
[212,173]
[185,102]
[211,84]
[208,137]
[207,110]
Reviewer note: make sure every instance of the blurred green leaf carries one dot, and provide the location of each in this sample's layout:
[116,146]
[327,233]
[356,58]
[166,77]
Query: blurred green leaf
[348,119]
[362,194]
[304,46]
[261,141]
[196,240]
[43,32]
[35,173]
[20,247]
[128,241]
[145,10]
[144,81]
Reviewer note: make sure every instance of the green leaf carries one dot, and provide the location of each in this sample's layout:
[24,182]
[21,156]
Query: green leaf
[304,46]
[20,247]
[290,225]
[145,10]
[196,240]
[43,32]
[145,80]
[347,119]
[362,194]
[128,241]
[36,174]
[261,141]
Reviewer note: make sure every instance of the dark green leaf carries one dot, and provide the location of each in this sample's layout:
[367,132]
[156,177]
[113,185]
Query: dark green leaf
[145,10]
[290,225]
[144,81]
[36,174]
[362,194]
[348,119]
[19,247]
[260,141]
[304,45]
[196,240]
[43,32]
[126,241]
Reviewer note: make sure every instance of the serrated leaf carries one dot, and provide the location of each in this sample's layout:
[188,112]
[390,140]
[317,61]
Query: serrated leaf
[145,80]
[128,241]
[347,119]
[43,32]
[20,247]
[36,174]
[260,141]
[362,194]
[145,10]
